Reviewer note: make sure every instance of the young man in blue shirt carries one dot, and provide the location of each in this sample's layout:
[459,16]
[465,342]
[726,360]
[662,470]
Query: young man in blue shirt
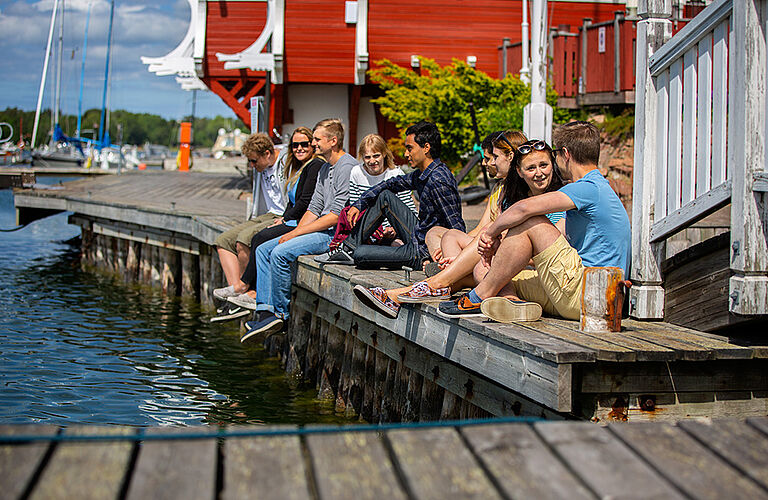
[597,233]
[439,205]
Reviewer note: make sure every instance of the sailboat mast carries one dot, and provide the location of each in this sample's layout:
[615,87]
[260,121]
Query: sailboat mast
[82,74]
[57,107]
[106,74]
[45,73]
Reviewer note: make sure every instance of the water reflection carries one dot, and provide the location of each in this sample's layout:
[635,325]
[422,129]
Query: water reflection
[78,347]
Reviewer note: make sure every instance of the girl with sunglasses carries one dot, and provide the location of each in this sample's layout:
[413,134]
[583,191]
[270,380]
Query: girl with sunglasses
[300,167]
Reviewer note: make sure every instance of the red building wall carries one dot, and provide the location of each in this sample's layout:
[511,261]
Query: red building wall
[231,27]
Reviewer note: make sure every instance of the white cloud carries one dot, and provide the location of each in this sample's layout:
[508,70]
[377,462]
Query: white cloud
[140,29]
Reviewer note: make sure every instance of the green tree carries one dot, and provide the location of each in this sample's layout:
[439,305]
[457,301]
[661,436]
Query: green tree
[442,95]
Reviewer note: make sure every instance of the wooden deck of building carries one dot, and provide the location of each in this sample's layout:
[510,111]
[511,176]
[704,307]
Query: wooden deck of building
[158,227]
[719,459]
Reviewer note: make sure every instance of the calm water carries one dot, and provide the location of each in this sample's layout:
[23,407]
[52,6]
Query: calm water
[84,348]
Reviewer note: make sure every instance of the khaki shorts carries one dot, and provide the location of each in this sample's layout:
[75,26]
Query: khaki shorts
[243,233]
[557,281]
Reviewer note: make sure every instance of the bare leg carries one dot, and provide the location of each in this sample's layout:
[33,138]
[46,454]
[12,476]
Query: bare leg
[243,254]
[432,239]
[453,242]
[230,266]
[461,266]
[516,250]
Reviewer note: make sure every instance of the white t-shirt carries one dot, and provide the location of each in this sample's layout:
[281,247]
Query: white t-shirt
[268,191]
[360,181]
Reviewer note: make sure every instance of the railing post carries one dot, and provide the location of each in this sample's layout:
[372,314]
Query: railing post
[618,16]
[646,294]
[583,73]
[747,158]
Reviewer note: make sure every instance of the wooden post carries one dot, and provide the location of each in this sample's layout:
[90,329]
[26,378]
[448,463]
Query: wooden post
[602,296]
[646,294]
[748,287]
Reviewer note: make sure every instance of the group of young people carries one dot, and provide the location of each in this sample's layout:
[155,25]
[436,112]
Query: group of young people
[550,215]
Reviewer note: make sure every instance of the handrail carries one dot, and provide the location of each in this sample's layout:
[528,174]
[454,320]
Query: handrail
[690,35]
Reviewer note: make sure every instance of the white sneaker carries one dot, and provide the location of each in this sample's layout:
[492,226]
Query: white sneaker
[225,293]
[245,301]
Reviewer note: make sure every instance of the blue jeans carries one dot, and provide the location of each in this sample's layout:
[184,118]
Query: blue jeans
[273,268]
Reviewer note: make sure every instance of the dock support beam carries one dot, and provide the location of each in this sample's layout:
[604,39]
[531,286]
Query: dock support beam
[748,288]
[647,295]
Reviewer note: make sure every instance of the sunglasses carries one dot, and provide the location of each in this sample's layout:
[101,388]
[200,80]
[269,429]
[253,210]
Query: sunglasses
[252,163]
[536,146]
[300,144]
[501,137]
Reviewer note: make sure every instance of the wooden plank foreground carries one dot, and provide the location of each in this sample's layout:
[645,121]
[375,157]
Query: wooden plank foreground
[695,459]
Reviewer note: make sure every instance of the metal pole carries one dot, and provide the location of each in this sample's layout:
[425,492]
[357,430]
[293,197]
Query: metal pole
[82,74]
[106,75]
[45,73]
[525,71]
[504,45]
[57,106]
[583,76]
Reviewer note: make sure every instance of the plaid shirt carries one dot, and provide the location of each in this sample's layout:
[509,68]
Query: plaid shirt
[439,203]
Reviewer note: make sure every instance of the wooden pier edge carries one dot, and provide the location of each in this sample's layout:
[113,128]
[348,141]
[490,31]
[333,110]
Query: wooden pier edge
[418,366]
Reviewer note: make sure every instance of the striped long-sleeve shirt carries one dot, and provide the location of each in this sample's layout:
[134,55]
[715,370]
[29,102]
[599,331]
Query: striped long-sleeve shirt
[360,181]
[439,202]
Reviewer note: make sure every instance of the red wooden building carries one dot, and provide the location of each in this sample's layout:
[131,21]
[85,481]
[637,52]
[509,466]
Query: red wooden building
[308,58]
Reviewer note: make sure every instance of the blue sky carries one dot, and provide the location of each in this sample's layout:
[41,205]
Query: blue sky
[141,28]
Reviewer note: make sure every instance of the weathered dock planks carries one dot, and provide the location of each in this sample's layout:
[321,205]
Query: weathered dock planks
[157,228]
[706,459]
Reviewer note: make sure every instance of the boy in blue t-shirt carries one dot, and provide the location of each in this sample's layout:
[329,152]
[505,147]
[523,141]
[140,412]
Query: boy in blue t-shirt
[597,234]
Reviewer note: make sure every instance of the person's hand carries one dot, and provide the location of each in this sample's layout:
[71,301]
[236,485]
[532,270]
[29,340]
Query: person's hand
[352,215]
[487,246]
[437,256]
[445,262]
[287,237]
[277,222]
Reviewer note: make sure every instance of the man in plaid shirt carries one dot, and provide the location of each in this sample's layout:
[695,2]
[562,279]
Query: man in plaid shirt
[439,205]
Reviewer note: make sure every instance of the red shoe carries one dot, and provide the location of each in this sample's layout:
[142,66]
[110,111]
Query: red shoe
[422,292]
[377,298]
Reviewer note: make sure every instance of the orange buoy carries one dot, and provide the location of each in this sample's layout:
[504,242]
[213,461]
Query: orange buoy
[142,166]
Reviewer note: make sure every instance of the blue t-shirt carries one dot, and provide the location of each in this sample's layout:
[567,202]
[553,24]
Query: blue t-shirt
[598,228]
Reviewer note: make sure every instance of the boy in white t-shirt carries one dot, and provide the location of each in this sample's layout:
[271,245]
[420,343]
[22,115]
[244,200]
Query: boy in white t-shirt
[233,245]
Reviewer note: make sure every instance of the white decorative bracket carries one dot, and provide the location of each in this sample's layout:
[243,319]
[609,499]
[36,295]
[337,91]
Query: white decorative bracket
[252,57]
[179,61]
[361,42]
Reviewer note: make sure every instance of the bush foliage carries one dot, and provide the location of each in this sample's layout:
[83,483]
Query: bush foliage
[442,95]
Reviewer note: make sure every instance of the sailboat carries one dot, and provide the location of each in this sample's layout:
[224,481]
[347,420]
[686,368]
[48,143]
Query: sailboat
[76,151]
[61,151]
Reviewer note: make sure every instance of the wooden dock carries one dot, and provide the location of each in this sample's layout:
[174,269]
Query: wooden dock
[706,460]
[158,227]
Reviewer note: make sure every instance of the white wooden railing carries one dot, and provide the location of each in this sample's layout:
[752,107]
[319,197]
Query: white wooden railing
[700,142]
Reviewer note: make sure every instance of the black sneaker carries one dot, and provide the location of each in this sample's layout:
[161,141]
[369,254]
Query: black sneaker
[338,255]
[461,308]
[266,323]
[230,311]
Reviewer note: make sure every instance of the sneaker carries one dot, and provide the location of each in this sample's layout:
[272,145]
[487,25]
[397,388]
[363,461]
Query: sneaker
[225,293]
[230,311]
[506,310]
[376,298]
[421,292]
[338,255]
[431,269]
[245,301]
[266,323]
[461,308]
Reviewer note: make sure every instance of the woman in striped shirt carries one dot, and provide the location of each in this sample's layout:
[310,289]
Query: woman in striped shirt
[377,164]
